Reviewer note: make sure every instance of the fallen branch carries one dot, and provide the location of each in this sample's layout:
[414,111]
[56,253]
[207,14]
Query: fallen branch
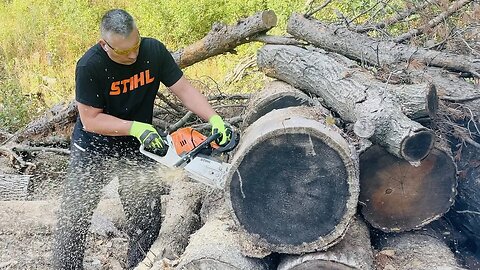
[317,9]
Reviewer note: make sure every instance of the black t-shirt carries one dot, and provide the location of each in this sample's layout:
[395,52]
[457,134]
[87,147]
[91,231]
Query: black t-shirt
[125,91]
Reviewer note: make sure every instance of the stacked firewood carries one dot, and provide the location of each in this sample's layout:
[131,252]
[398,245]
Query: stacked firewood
[359,153]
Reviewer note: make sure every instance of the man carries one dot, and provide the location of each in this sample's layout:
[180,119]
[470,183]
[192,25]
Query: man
[116,84]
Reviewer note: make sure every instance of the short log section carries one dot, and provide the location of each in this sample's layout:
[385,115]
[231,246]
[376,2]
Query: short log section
[397,196]
[353,252]
[293,186]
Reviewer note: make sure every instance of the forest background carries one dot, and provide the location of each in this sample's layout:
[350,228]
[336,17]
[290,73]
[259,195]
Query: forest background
[41,40]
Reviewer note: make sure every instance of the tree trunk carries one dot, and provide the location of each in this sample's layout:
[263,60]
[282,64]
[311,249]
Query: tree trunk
[349,91]
[39,217]
[223,38]
[364,48]
[275,95]
[414,250]
[382,53]
[13,187]
[396,196]
[353,252]
[293,185]
[215,246]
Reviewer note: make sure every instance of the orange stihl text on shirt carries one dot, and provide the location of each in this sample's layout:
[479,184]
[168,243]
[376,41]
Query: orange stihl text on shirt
[132,83]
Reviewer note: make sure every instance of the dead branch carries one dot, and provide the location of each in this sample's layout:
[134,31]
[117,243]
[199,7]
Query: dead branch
[30,149]
[317,9]
[433,22]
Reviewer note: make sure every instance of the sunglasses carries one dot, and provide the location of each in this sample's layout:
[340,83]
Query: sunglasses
[127,51]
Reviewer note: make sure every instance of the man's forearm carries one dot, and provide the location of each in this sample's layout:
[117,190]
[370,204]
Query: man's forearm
[105,124]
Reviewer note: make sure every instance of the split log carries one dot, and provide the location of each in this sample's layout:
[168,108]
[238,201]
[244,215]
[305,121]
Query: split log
[275,95]
[414,250]
[353,252]
[382,53]
[396,196]
[349,91]
[181,219]
[215,246]
[223,38]
[13,187]
[293,186]
[39,217]
[364,48]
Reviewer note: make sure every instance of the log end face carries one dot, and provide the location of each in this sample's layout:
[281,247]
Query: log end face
[269,18]
[416,147]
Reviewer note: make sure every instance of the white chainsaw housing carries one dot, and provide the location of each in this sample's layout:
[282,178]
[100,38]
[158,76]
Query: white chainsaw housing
[204,169]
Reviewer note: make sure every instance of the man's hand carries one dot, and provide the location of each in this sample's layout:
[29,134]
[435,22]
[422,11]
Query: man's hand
[218,126]
[147,135]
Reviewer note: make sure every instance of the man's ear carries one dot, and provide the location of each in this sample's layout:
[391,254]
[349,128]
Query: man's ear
[103,44]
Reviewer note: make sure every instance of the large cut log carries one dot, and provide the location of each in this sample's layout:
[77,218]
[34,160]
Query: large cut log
[13,187]
[215,246]
[356,46]
[349,91]
[382,53]
[414,250]
[181,219]
[223,38]
[39,217]
[396,196]
[275,95]
[293,186]
[353,252]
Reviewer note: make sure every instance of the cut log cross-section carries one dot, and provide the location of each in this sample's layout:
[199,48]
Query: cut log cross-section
[349,91]
[293,185]
[397,196]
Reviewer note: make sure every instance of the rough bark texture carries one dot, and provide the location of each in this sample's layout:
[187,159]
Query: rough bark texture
[396,196]
[293,186]
[348,90]
[363,48]
[215,246]
[275,95]
[353,252]
[13,187]
[223,38]
[406,251]
[39,217]
[181,220]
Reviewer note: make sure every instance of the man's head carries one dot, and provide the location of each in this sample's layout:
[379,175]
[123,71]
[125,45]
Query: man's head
[119,36]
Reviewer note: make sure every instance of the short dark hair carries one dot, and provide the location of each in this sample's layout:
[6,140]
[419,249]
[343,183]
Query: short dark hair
[117,21]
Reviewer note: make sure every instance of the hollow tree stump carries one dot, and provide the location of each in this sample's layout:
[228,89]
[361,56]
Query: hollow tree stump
[275,95]
[293,185]
[351,92]
[215,245]
[353,252]
[414,250]
[396,196]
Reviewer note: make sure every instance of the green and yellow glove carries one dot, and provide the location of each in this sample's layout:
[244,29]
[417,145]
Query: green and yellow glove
[147,135]
[218,126]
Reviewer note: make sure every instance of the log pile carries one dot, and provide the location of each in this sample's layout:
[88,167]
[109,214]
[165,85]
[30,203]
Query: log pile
[354,138]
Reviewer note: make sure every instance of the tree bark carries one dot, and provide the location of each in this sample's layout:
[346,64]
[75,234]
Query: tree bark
[223,38]
[349,91]
[275,95]
[353,252]
[293,185]
[13,187]
[379,53]
[396,196]
[414,250]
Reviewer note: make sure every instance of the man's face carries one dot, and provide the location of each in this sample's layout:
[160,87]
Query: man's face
[123,50]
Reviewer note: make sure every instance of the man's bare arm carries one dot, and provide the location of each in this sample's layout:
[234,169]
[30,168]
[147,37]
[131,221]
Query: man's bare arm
[192,99]
[94,120]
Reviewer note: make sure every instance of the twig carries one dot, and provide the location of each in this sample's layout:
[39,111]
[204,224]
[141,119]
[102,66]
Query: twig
[172,105]
[180,122]
[41,149]
[460,99]
[433,22]
[10,153]
[317,9]
[364,12]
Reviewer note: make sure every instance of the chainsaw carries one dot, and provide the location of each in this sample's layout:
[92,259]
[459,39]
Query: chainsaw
[197,154]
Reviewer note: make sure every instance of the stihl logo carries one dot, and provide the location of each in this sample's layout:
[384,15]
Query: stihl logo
[134,82]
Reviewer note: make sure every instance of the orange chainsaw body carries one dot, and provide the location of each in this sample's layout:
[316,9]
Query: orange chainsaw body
[186,139]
